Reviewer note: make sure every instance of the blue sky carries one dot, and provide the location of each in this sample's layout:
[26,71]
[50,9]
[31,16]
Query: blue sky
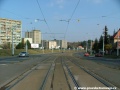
[93,15]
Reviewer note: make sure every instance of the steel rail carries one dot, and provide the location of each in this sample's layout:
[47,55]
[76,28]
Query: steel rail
[22,76]
[45,79]
[72,77]
[46,76]
[100,79]
[65,74]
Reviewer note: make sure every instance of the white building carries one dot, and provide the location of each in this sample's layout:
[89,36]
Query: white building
[52,44]
[25,39]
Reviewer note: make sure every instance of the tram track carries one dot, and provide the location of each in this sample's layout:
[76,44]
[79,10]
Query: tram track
[23,75]
[71,75]
[58,72]
[94,75]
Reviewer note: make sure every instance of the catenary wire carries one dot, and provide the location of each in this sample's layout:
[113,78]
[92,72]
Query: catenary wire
[71,18]
[43,15]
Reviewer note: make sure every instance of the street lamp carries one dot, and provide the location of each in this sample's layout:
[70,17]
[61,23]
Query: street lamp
[118,45]
[103,43]
[91,47]
[36,20]
[26,46]
[13,41]
[86,45]
[42,44]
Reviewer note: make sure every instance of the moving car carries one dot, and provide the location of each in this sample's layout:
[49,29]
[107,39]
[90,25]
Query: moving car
[98,55]
[86,54]
[23,54]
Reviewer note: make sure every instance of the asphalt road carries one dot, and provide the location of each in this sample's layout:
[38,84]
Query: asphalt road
[112,63]
[11,68]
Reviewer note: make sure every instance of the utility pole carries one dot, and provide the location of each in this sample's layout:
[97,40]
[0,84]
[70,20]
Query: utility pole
[103,40]
[26,46]
[91,46]
[12,43]
[118,44]
[42,44]
[86,45]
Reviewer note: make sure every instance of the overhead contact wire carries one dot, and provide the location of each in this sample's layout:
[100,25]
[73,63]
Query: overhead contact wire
[71,17]
[43,15]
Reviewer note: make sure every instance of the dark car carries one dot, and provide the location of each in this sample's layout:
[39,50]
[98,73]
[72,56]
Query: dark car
[98,55]
[23,54]
[86,54]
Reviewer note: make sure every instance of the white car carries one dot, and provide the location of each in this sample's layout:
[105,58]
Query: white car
[23,54]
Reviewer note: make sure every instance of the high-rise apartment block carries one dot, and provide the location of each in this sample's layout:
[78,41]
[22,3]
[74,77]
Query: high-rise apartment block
[35,35]
[10,30]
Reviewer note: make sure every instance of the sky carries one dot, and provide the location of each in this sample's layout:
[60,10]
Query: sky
[72,20]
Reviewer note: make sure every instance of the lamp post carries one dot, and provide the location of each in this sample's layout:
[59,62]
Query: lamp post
[118,45]
[37,20]
[26,46]
[86,45]
[91,47]
[42,44]
[12,42]
[103,44]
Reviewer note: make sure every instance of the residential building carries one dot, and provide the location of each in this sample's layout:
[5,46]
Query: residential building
[52,44]
[63,44]
[35,35]
[56,44]
[116,39]
[25,39]
[10,30]
[116,36]
[45,44]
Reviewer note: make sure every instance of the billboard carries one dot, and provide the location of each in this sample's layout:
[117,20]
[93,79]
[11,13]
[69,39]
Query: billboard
[33,45]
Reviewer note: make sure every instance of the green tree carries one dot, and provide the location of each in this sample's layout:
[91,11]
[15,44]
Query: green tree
[28,44]
[20,45]
[95,46]
[106,36]
[83,44]
[100,45]
[5,46]
[108,47]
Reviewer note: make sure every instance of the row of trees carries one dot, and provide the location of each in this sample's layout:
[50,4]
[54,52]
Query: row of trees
[22,45]
[98,43]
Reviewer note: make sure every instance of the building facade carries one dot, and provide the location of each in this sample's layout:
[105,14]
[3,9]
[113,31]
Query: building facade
[10,30]
[54,44]
[116,36]
[63,44]
[35,35]
[25,39]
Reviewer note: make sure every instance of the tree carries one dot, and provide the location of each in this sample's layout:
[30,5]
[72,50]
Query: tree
[28,44]
[108,47]
[69,46]
[20,45]
[100,45]
[106,36]
[114,32]
[83,44]
[5,46]
[95,46]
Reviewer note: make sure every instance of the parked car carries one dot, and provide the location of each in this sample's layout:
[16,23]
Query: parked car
[86,54]
[98,55]
[23,54]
